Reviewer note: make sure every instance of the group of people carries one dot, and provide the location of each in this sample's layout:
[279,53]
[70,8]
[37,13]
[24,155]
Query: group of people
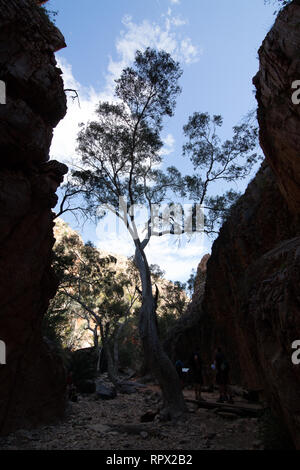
[195,366]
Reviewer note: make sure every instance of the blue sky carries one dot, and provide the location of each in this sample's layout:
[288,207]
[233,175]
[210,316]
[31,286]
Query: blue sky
[216,42]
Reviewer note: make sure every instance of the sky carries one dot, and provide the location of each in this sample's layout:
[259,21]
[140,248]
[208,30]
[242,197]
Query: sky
[216,43]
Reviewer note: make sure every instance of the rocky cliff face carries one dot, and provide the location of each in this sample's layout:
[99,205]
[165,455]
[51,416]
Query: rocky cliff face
[32,380]
[252,298]
[277,114]
[190,332]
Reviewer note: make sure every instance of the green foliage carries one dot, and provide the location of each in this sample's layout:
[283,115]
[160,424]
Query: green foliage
[172,300]
[120,152]
[56,322]
[149,88]
[215,161]
[90,277]
[94,279]
[156,271]
[130,350]
[91,290]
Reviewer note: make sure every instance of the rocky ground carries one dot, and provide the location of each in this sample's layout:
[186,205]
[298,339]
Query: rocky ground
[95,424]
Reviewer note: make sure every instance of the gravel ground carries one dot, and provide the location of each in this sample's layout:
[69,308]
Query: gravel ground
[95,424]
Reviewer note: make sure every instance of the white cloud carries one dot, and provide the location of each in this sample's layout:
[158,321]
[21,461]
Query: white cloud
[176,2]
[147,34]
[169,145]
[177,260]
[63,146]
[188,51]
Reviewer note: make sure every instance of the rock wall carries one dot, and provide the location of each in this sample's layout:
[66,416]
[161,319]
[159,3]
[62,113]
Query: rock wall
[252,297]
[278,116]
[194,328]
[32,380]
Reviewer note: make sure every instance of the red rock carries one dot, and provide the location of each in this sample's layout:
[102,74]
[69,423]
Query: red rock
[251,302]
[278,116]
[33,380]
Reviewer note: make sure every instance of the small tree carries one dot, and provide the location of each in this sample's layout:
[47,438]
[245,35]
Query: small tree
[104,296]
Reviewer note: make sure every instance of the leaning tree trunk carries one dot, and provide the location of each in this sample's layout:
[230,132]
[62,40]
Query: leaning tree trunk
[160,364]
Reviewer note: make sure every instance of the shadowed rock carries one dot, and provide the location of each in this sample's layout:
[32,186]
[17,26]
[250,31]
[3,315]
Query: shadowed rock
[33,380]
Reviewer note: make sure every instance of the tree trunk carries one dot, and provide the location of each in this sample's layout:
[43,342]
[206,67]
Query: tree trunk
[110,363]
[97,347]
[110,366]
[116,343]
[99,353]
[116,350]
[160,364]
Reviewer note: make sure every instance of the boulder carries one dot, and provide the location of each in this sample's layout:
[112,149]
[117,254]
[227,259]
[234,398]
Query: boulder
[104,392]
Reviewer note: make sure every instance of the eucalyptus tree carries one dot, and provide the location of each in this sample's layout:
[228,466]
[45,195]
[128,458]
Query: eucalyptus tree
[120,157]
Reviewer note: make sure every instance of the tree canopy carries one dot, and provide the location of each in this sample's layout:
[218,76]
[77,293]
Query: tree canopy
[216,161]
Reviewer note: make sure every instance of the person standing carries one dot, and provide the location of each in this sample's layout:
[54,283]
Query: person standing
[222,376]
[196,368]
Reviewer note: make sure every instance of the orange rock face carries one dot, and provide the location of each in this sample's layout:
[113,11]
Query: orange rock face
[33,379]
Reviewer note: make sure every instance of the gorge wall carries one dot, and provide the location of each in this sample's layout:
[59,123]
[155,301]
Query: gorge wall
[251,304]
[194,328]
[32,380]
